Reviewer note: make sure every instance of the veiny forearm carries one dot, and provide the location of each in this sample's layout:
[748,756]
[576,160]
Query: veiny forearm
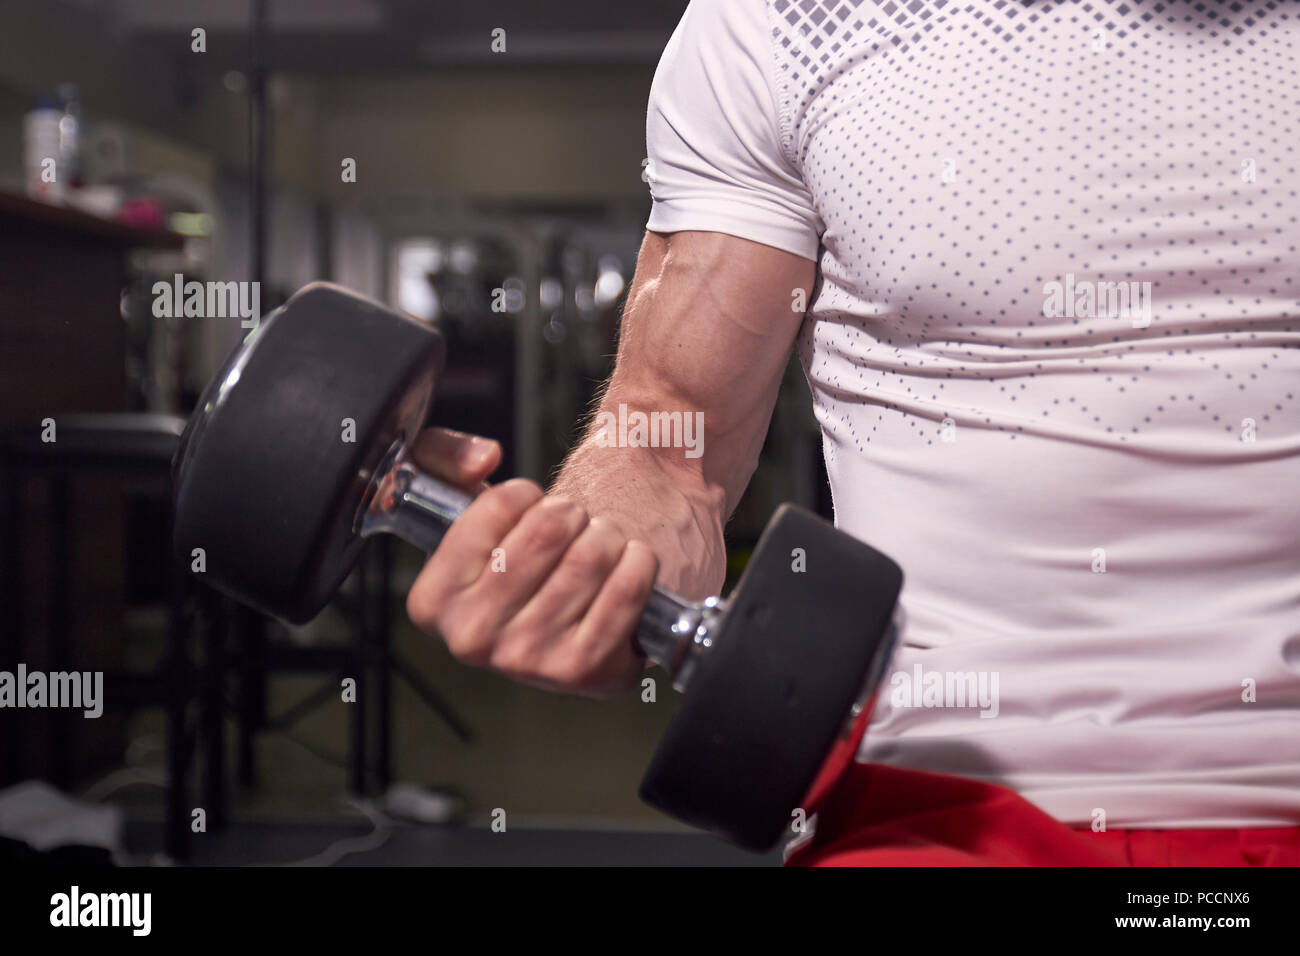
[706,331]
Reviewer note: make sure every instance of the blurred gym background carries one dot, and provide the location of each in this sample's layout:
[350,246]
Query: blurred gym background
[497,193]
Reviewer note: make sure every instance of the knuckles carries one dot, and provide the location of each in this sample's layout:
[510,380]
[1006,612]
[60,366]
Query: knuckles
[471,636]
[530,651]
[571,672]
[422,607]
[502,504]
[514,659]
[595,553]
[551,525]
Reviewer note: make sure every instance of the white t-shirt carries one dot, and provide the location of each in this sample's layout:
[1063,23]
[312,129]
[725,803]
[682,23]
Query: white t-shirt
[1095,500]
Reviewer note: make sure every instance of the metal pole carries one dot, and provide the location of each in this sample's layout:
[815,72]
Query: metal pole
[252,627]
[257,136]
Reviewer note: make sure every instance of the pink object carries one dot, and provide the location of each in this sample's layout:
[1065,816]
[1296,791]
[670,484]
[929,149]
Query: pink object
[142,213]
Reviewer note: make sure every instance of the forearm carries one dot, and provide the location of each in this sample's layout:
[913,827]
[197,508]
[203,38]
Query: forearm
[705,335]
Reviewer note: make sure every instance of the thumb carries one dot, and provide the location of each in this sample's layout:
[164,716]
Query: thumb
[461,459]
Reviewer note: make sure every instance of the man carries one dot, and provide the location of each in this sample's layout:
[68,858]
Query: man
[1049,264]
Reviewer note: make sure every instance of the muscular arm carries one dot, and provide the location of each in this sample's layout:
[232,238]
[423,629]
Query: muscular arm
[708,327]
[547,588]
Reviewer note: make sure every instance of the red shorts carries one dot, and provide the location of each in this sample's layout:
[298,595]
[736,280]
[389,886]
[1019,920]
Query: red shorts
[876,815]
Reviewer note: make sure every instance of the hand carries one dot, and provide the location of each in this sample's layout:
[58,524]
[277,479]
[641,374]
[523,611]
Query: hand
[527,583]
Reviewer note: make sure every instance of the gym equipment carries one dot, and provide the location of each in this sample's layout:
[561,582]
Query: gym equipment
[297,452]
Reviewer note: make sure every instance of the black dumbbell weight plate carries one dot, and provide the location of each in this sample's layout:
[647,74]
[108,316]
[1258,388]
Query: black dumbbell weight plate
[264,478]
[770,697]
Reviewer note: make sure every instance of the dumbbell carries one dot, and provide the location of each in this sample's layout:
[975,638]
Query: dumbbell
[297,452]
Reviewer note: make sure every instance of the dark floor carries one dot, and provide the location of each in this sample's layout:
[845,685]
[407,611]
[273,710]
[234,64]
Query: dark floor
[557,761]
[317,843]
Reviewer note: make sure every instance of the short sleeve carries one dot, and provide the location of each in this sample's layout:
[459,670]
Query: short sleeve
[713,134]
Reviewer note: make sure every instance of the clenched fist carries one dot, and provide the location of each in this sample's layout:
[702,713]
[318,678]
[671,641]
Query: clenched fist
[527,583]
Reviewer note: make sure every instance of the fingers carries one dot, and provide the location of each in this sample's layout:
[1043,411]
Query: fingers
[596,656]
[467,548]
[568,592]
[464,460]
[595,664]
[531,586]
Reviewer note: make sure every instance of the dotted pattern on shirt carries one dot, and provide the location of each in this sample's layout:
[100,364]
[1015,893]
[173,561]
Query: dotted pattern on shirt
[965,155]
